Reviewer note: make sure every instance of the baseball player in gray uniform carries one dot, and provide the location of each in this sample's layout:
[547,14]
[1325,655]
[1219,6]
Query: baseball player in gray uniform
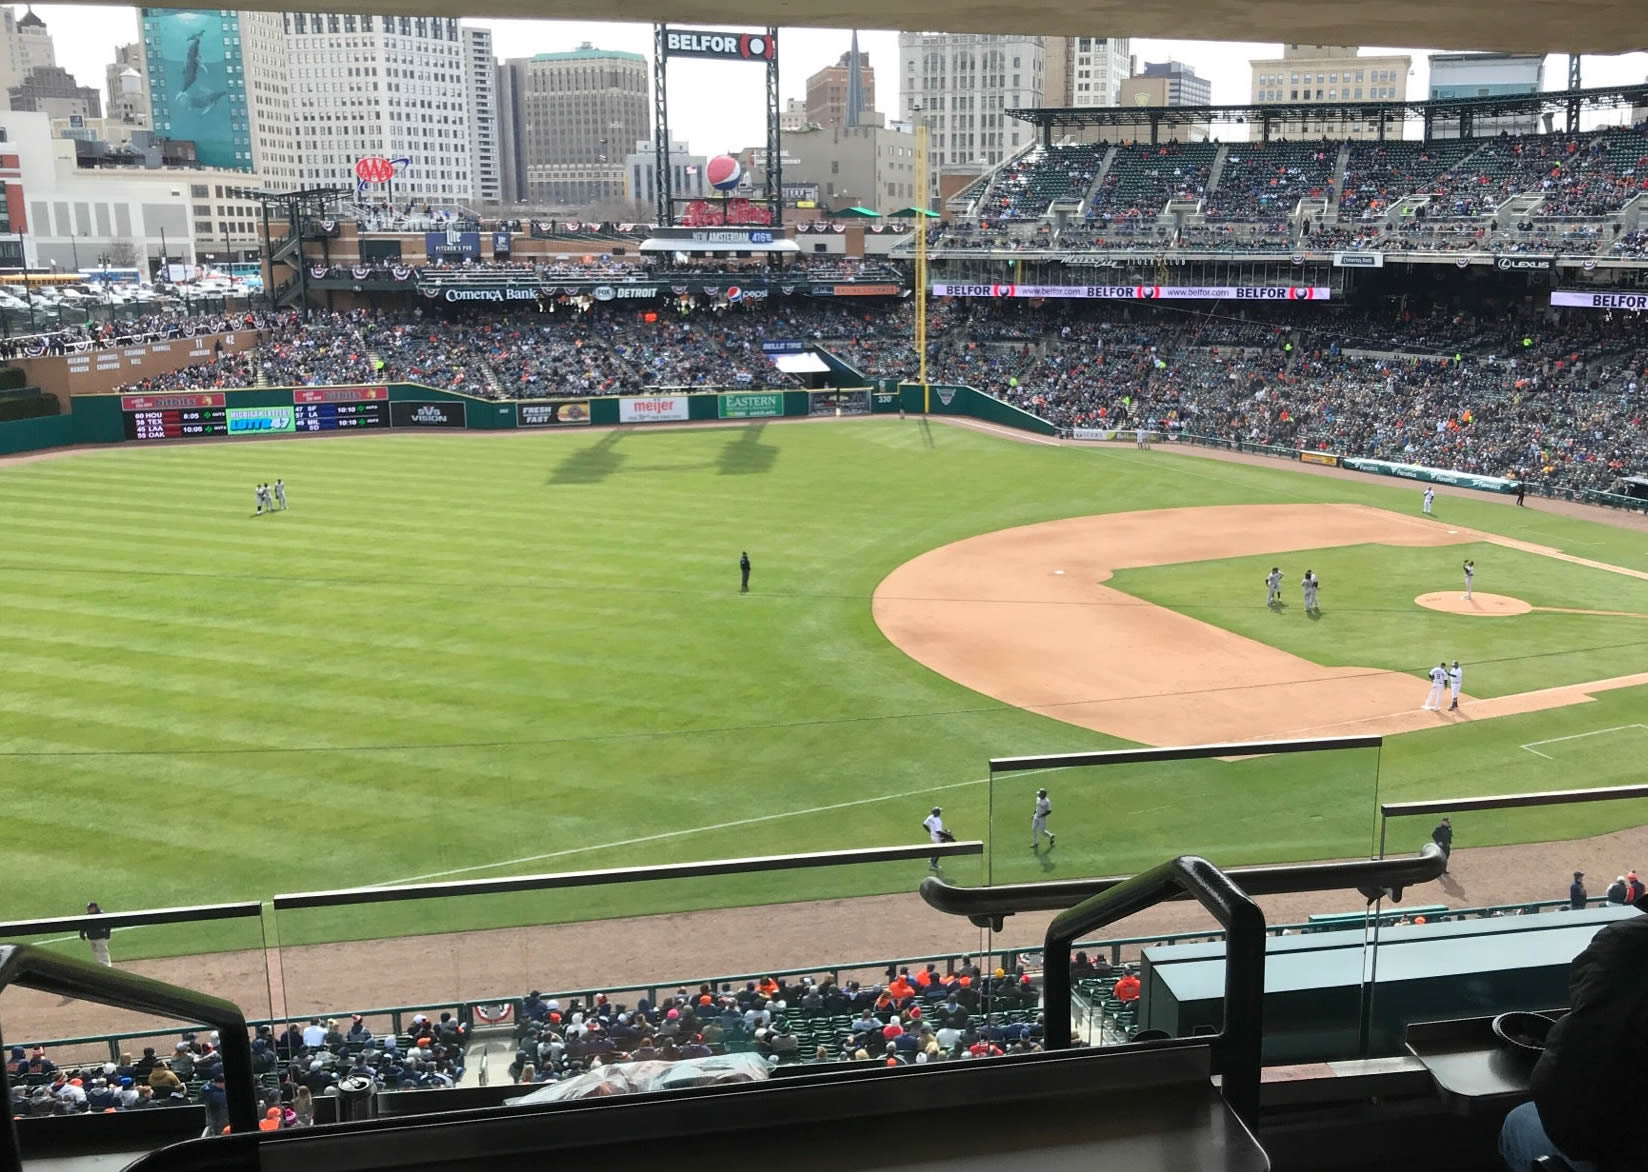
[1455,678]
[1439,681]
[1038,821]
[1470,574]
[1274,581]
[1309,584]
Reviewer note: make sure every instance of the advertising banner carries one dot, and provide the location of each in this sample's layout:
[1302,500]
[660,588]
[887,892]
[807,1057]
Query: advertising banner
[418,413]
[452,245]
[570,413]
[751,405]
[1327,458]
[1574,299]
[1527,264]
[171,402]
[625,292]
[339,394]
[838,402]
[442,291]
[783,346]
[1358,260]
[1144,292]
[683,42]
[195,75]
[652,408]
[1094,433]
[260,420]
[867,290]
[500,244]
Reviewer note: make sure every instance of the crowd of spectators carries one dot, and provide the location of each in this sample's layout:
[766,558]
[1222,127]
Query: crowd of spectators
[293,1068]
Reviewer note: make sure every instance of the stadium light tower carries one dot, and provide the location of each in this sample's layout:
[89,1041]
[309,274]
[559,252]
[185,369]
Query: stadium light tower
[921,256]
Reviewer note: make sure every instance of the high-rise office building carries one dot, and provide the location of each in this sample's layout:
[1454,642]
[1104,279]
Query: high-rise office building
[961,85]
[1309,74]
[127,81]
[574,118]
[52,90]
[219,79]
[828,91]
[1487,75]
[481,80]
[24,45]
[1184,86]
[385,86]
[1093,70]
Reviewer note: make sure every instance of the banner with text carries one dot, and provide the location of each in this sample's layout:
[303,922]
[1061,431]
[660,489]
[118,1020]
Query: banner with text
[1433,475]
[651,408]
[426,413]
[1574,299]
[568,413]
[260,420]
[751,406]
[1327,458]
[1144,292]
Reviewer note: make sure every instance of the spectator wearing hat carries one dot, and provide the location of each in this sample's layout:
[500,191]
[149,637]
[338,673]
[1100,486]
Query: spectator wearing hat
[97,935]
[1634,889]
[1576,892]
[162,1079]
[39,1063]
[358,1033]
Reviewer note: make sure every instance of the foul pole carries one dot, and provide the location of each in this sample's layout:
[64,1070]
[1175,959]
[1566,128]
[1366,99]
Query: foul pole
[921,266]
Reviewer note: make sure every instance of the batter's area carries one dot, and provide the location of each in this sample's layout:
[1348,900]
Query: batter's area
[1023,615]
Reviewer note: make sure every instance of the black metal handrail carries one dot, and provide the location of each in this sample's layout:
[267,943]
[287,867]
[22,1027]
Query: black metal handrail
[32,967]
[199,913]
[1181,753]
[1236,1048]
[1374,878]
[565,879]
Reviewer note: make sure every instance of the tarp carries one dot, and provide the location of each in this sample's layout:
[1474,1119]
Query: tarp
[1429,475]
[630,1078]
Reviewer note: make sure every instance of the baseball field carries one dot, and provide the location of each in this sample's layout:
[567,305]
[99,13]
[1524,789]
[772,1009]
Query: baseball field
[471,656]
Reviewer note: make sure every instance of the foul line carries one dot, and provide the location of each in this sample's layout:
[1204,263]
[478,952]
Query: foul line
[578,850]
[1576,736]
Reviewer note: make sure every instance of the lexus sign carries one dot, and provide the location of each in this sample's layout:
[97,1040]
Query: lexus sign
[723,46]
[1511,264]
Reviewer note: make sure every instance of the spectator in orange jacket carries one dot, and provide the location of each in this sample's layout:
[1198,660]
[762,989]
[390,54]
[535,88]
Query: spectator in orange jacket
[1127,989]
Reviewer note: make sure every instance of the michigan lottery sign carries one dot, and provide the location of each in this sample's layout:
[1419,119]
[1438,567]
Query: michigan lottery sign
[752,406]
[260,420]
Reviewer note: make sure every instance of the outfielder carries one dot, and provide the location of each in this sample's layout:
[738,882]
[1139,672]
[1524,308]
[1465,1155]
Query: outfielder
[1430,495]
[1439,681]
[1274,581]
[280,494]
[262,498]
[1470,573]
[1309,585]
[1038,822]
[1455,678]
[934,823]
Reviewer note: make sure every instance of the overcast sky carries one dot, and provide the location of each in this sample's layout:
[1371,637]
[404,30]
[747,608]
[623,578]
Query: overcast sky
[717,107]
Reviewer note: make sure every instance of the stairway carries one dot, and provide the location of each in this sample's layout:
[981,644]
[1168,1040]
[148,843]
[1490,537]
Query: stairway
[1217,171]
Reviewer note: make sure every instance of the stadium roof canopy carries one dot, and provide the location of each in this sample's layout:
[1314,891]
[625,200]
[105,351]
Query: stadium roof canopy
[1443,112]
[1542,26]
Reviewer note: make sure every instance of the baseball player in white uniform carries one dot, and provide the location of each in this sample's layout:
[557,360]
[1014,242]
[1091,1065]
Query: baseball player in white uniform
[1439,681]
[1470,574]
[1455,678]
[1038,821]
[1309,585]
[1274,581]
[262,498]
[1430,495]
[280,494]
[934,823]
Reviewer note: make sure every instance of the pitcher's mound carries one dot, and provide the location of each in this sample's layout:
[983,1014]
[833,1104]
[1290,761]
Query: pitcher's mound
[1491,606]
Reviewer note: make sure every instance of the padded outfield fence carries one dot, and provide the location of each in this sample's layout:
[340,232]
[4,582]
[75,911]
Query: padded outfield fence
[265,412]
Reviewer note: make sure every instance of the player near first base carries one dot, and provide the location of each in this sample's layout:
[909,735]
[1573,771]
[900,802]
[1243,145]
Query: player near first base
[1456,676]
[1038,821]
[1430,495]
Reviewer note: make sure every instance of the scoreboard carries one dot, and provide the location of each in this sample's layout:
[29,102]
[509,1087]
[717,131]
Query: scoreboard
[190,415]
[183,416]
[332,416]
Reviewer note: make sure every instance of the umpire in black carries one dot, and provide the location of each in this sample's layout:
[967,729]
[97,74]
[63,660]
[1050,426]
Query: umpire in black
[743,573]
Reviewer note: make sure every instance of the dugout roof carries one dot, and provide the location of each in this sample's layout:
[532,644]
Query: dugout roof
[1566,26]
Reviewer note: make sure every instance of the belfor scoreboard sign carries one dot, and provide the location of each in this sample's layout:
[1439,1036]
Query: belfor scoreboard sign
[687,42]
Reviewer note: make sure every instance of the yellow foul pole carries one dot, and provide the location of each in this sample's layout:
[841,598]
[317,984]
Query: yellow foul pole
[921,265]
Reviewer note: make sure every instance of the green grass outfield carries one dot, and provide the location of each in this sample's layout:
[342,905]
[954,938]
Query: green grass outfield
[466,656]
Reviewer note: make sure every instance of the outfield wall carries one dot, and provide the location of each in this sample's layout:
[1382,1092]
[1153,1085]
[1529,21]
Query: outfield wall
[265,412]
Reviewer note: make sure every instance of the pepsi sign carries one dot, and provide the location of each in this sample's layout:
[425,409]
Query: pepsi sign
[723,46]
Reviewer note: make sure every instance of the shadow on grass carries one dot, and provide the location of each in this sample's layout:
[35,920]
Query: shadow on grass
[926,434]
[746,455]
[590,464]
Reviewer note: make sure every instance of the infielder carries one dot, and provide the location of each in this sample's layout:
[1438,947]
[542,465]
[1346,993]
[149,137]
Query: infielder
[1439,680]
[280,494]
[1309,585]
[1038,822]
[1274,581]
[1430,495]
[934,823]
[1470,573]
[1455,678]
